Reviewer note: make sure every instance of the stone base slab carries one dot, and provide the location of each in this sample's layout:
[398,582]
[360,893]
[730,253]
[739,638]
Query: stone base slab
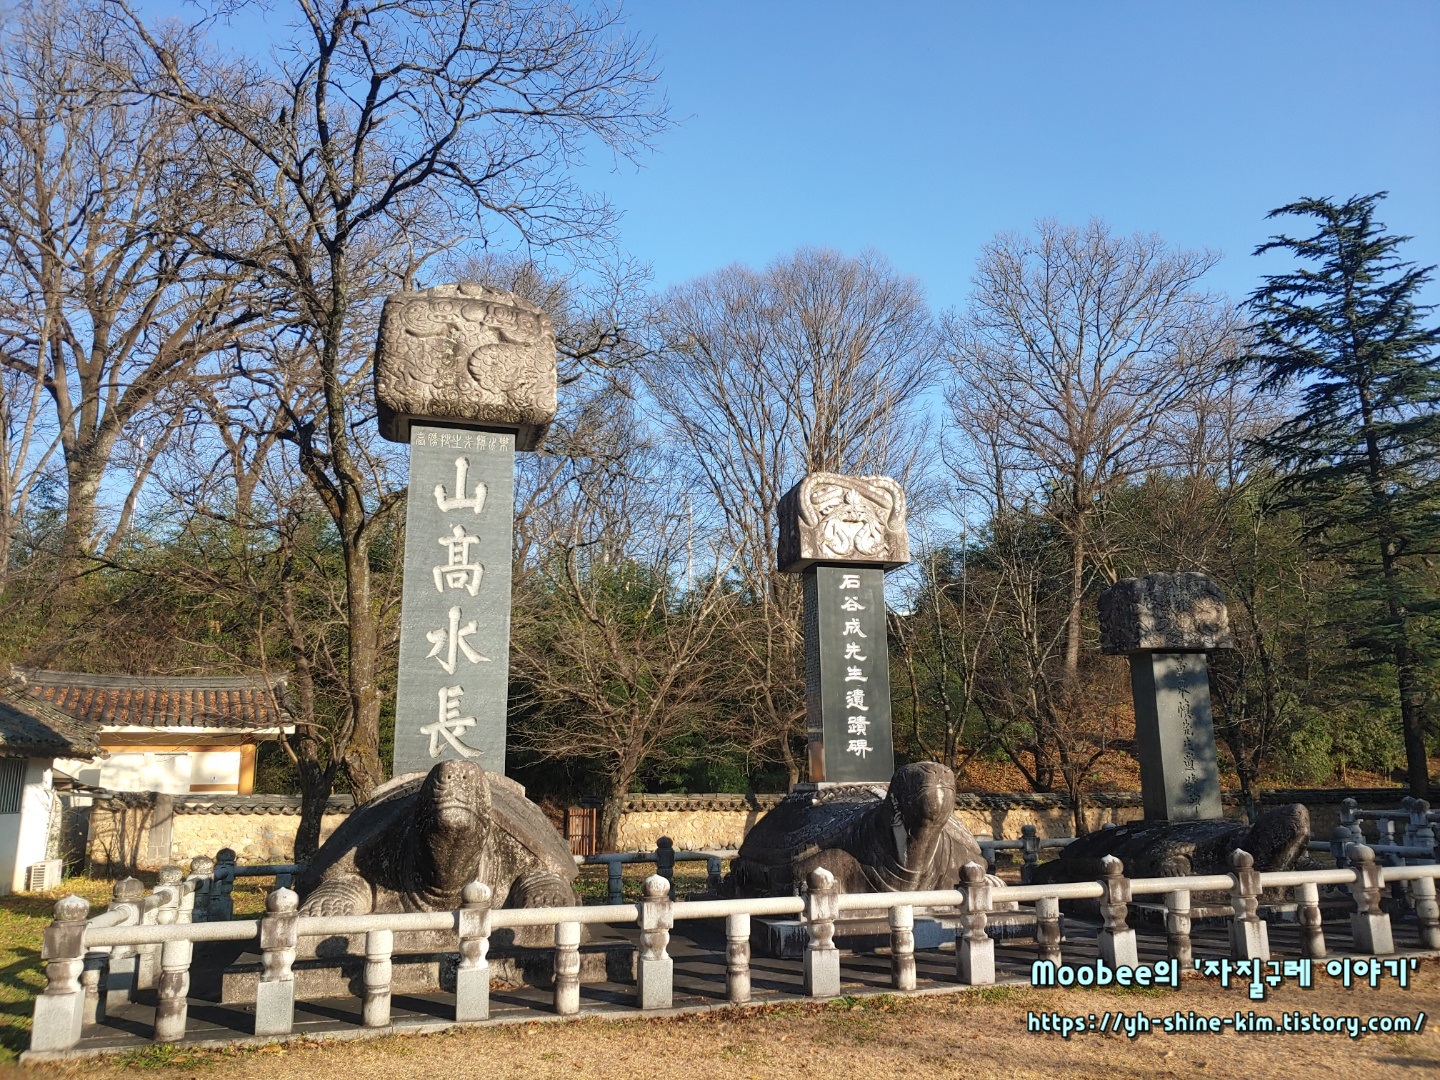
[785,939]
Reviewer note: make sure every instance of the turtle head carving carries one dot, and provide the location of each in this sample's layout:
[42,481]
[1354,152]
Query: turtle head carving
[923,796]
[451,827]
[1279,837]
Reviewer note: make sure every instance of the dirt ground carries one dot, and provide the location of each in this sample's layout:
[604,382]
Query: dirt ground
[962,1034]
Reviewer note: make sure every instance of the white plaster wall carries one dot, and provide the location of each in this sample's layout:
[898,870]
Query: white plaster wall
[215,767]
[139,771]
[23,836]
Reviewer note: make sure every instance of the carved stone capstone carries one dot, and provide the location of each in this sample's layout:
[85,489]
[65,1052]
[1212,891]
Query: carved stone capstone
[1164,613]
[855,520]
[465,354]
[872,839]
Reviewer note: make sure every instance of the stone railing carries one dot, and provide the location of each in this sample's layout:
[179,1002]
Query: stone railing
[664,857]
[86,959]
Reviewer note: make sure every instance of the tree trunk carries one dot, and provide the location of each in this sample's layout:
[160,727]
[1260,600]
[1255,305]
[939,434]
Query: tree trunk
[610,811]
[1412,720]
[362,753]
[315,787]
[1074,618]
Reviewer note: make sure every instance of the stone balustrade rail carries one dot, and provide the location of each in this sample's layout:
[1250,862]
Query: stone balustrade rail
[91,961]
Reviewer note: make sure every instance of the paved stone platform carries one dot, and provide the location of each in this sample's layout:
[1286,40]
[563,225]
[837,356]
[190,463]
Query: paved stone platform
[698,951]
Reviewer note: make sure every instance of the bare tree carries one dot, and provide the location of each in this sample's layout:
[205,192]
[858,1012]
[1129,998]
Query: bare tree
[1075,347]
[618,660]
[815,363]
[103,305]
[387,131]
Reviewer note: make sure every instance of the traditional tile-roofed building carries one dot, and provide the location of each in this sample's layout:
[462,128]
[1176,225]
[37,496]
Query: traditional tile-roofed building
[176,734]
[33,734]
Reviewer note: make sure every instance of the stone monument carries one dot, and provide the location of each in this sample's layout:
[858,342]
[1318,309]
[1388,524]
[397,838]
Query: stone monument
[466,375]
[841,533]
[868,825]
[1166,624]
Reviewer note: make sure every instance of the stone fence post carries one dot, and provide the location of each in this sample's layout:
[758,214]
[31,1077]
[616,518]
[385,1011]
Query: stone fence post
[1369,926]
[375,1007]
[202,872]
[472,977]
[1249,937]
[902,947]
[822,958]
[59,1010]
[1312,926]
[665,862]
[737,958]
[655,973]
[120,986]
[1177,927]
[275,992]
[1116,940]
[974,951]
[1029,853]
[172,1004]
[222,905]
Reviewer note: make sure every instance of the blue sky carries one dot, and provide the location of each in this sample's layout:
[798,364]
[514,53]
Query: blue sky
[923,129]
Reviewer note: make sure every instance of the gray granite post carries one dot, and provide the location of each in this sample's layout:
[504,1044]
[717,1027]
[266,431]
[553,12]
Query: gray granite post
[173,987]
[1118,947]
[466,376]
[821,963]
[59,1010]
[655,970]
[567,969]
[1312,924]
[1249,936]
[1177,927]
[472,977]
[1166,623]
[202,870]
[737,958]
[841,533]
[222,902]
[902,947]
[375,1005]
[120,986]
[1369,925]
[974,948]
[1047,929]
[665,862]
[275,992]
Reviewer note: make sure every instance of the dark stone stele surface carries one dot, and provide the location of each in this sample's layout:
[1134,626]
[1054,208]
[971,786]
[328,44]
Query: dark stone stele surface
[1164,613]
[1278,840]
[422,838]
[872,841]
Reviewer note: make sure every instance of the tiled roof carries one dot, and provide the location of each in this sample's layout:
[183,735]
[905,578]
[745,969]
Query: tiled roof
[219,701]
[33,728]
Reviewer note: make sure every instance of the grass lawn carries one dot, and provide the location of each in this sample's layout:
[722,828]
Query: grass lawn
[981,1033]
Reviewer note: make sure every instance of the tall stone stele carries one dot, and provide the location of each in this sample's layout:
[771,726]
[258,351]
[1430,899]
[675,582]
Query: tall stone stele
[841,533]
[1167,624]
[466,376]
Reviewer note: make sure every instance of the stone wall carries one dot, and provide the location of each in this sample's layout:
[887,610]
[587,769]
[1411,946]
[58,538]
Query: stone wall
[261,828]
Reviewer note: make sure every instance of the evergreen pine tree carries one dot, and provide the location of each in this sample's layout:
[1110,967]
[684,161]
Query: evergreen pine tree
[1360,458]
